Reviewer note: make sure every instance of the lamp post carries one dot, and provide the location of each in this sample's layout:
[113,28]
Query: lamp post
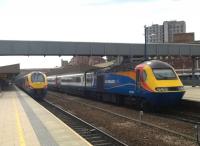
[145,43]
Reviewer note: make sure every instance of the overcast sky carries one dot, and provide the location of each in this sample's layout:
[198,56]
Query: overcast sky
[88,20]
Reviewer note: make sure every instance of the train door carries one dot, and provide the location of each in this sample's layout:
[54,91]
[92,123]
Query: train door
[138,80]
[58,82]
[100,82]
[85,79]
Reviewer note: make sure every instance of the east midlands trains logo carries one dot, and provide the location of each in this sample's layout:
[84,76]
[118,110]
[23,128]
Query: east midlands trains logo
[110,81]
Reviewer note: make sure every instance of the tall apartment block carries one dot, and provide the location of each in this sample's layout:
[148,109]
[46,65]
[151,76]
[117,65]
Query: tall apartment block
[171,28]
[164,33]
[155,34]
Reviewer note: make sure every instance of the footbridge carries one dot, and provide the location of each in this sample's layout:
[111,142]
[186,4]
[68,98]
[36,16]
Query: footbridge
[53,48]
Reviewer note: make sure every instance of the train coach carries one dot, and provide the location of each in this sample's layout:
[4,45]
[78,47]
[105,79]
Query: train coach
[151,83]
[34,83]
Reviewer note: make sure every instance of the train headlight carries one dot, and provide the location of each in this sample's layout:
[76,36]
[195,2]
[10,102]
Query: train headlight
[181,88]
[162,89]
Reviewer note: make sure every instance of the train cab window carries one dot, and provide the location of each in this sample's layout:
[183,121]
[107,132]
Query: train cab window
[37,77]
[144,75]
[164,74]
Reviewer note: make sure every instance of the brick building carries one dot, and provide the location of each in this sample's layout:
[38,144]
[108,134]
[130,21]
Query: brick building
[184,37]
[172,32]
[85,60]
[182,62]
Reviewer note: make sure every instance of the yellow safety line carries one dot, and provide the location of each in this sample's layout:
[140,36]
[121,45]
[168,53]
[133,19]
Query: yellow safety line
[80,137]
[19,127]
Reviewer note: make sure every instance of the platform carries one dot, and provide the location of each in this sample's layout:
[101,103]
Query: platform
[24,122]
[192,93]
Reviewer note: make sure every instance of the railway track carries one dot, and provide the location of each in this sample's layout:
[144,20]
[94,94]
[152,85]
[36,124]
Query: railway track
[181,116]
[187,111]
[176,114]
[94,135]
[141,121]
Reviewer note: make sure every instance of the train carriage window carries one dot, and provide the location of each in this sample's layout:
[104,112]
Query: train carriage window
[78,79]
[72,79]
[51,79]
[69,79]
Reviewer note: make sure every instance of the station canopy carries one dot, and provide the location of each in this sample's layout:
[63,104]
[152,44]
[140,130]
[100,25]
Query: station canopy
[9,71]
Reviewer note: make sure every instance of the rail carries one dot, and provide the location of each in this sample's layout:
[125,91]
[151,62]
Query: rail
[94,135]
[138,121]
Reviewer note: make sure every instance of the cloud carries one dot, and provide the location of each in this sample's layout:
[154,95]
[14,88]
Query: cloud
[176,0]
[91,20]
[113,2]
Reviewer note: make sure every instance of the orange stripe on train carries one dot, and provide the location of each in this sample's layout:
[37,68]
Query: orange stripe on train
[130,74]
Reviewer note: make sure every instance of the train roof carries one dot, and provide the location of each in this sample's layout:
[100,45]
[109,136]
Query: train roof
[125,66]
[157,64]
[22,75]
[71,70]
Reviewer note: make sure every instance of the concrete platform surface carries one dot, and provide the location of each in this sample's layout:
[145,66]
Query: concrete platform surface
[192,93]
[24,122]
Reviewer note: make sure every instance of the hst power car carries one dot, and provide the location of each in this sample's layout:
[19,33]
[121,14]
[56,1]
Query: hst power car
[153,83]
